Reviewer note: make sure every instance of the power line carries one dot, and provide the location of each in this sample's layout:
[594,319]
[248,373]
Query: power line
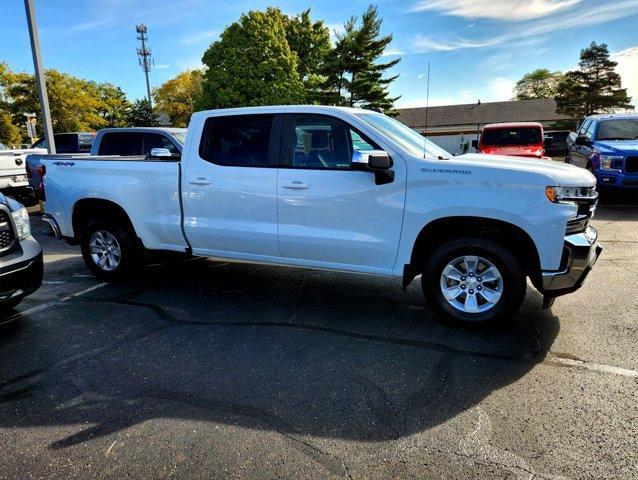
[144,57]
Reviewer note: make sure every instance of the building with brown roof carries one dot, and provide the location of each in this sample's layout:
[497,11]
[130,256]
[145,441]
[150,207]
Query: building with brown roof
[469,118]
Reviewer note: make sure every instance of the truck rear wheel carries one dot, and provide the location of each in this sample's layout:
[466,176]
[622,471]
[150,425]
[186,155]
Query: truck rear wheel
[111,251]
[473,280]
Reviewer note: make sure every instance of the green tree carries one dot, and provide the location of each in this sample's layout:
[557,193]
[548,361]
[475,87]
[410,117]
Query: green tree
[178,96]
[252,64]
[311,42]
[9,133]
[73,102]
[113,107]
[594,88]
[141,114]
[356,68]
[541,83]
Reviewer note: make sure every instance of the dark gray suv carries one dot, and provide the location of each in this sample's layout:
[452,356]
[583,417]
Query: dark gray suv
[20,255]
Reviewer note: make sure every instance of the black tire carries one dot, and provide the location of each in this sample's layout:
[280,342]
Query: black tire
[131,255]
[514,284]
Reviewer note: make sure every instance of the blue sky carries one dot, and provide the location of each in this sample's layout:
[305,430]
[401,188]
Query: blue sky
[477,49]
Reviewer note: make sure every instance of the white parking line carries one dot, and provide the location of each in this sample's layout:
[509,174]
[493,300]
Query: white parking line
[594,367]
[44,306]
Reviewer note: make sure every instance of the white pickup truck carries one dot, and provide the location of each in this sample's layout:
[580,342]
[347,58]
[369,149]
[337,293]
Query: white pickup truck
[340,189]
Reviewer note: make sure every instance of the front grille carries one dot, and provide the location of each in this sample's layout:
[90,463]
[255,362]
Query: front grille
[7,236]
[631,165]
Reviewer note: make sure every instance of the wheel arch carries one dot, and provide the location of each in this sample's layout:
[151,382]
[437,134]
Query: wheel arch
[87,209]
[510,236]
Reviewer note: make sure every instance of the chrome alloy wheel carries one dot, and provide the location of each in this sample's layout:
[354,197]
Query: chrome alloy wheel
[105,250]
[471,284]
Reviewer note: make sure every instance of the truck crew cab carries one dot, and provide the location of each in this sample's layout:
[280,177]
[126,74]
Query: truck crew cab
[341,189]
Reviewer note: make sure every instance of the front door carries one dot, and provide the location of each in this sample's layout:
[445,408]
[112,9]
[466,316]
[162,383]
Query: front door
[330,214]
[230,188]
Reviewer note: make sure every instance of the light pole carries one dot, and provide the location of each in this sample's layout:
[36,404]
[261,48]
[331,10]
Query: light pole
[39,76]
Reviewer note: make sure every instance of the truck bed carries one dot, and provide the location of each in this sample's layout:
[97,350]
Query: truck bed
[148,191]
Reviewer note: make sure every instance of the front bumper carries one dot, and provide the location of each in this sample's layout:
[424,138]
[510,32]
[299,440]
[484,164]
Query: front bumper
[21,273]
[580,253]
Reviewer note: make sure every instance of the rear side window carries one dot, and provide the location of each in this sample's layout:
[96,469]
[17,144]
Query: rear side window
[66,143]
[240,140]
[86,142]
[121,143]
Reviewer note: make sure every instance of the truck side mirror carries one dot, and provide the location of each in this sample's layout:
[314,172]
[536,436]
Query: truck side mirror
[162,154]
[581,140]
[376,161]
[475,144]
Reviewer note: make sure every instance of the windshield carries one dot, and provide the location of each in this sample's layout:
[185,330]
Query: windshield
[2,147]
[512,136]
[626,129]
[403,135]
[179,136]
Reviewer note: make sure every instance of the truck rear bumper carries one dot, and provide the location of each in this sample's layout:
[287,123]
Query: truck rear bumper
[580,253]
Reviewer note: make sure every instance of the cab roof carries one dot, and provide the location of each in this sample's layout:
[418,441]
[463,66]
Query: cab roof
[513,125]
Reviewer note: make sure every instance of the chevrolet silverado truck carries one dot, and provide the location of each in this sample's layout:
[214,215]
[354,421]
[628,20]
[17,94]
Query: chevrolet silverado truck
[339,189]
[521,139]
[607,146]
[20,255]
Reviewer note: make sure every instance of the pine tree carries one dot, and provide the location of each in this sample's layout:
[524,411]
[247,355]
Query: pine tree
[356,68]
[594,88]
[142,115]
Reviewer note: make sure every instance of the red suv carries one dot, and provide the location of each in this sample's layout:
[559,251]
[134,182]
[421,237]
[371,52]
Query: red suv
[524,139]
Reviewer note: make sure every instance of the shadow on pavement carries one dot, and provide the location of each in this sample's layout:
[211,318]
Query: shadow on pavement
[295,351]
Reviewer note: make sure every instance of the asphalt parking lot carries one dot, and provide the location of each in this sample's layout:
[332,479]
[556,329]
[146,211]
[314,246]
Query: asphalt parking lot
[204,369]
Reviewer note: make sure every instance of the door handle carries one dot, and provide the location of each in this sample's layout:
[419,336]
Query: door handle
[200,181]
[296,185]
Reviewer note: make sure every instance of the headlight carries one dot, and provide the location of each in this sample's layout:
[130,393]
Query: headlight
[571,194]
[21,220]
[606,162]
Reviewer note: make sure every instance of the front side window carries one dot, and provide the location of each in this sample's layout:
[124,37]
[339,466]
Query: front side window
[589,133]
[583,128]
[156,140]
[321,141]
[242,141]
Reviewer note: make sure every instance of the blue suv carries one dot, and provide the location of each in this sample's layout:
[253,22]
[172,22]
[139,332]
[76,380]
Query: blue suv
[607,145]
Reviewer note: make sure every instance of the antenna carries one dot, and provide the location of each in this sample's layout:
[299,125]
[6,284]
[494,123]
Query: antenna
[427,105]
[144,57]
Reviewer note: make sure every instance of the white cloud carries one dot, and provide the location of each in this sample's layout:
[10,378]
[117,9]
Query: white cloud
[578,18]
[628,70]
[497,89]
[389,52]
[423,44]
[200,37]
[496,9]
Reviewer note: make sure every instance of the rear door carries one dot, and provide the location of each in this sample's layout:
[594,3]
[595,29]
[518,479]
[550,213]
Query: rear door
[329,213]
[229,188]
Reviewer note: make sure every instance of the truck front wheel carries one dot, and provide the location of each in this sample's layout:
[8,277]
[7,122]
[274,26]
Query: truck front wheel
[110,250]
[473,280]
